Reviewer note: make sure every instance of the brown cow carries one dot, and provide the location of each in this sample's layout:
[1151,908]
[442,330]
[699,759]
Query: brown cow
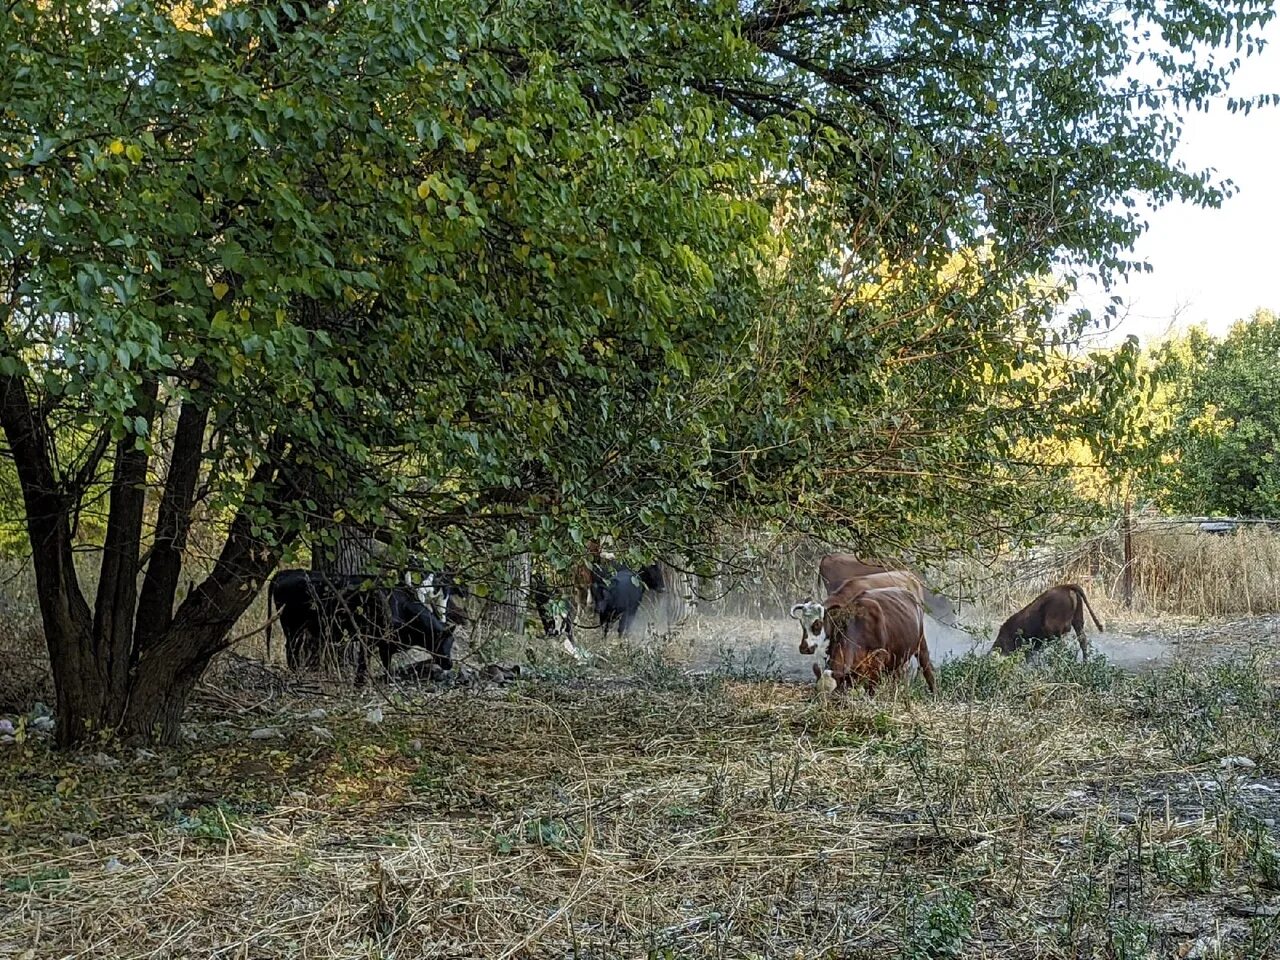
[1048,617]
[835,568]
[873,632]
[811,615]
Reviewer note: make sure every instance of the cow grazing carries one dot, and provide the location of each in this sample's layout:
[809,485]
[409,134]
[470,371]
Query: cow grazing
[616,592]
[871,633]
[318,610]
[443,593]
[1048,617]
[810,614]
[554,610]
[414,624]
[835,568]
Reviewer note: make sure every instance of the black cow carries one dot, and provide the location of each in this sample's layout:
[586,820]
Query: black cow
[414,624]
[315,610]
[318,610]
[554,610]
[616,592]
[442,592]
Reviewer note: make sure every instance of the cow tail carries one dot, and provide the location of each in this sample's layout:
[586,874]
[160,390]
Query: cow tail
[1079,591]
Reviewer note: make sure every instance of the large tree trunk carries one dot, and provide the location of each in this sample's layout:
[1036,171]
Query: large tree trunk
[508,613]
[83,700]
[166,671]
[354,554]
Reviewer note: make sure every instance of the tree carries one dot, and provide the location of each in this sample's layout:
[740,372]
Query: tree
[493,278]
[1221,447]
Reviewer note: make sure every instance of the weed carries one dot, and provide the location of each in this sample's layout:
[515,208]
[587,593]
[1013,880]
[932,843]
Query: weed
[1192,866]
[937,925]
[1085,900]
[551,833]
[35,880]
[214,822]
[981,678]
[1062,662]
[754,666]
[1130,939]
[783,781]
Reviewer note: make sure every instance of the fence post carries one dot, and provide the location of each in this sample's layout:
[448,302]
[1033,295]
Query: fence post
[1127,581]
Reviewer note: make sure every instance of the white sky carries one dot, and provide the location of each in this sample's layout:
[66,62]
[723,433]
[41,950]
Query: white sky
[1213,266]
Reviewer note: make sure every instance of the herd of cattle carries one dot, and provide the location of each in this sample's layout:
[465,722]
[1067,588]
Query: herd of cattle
[321,611]
[872,620]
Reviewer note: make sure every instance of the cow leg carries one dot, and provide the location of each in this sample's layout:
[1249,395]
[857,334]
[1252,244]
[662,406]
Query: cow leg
[628,619]
[1084,644]
[302,649]
[291,649]
[362,663]
[926,667]
[1077,624]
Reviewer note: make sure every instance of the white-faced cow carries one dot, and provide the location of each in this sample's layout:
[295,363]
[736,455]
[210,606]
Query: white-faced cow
[812,615]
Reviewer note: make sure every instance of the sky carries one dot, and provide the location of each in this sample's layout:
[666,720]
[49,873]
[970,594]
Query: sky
[1213,266]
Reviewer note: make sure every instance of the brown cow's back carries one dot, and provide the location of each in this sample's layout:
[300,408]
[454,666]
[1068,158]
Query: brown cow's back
[836,568]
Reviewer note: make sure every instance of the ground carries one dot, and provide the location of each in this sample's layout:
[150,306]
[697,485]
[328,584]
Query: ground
[634,807]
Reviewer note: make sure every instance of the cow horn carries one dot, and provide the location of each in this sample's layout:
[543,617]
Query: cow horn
[798,606]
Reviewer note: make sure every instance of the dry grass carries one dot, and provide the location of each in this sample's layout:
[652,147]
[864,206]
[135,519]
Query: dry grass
[1055,810]
[1176,571]
[1064,810]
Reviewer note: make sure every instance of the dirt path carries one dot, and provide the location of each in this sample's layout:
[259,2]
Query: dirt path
[770,647]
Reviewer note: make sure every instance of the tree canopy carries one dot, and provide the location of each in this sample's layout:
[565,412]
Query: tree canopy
[1220,442]
[489,278]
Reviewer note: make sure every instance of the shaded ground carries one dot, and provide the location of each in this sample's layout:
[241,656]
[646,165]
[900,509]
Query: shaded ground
[1053,810]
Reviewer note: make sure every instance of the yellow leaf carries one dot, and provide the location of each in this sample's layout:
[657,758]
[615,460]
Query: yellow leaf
[424,190]
[116,148]
[220,290]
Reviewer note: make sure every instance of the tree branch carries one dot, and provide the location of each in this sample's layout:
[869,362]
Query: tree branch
[118,580]
[155,604]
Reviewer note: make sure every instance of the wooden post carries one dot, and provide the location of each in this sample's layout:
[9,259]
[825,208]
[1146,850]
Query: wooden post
[1128,553]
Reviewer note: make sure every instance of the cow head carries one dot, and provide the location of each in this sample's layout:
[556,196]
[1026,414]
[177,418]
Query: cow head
[813,624]
[848,662]
[1008,639]
[431,594]
[651,577]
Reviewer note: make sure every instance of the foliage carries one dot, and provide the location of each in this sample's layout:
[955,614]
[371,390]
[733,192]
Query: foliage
[482,279]
[1221,448]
